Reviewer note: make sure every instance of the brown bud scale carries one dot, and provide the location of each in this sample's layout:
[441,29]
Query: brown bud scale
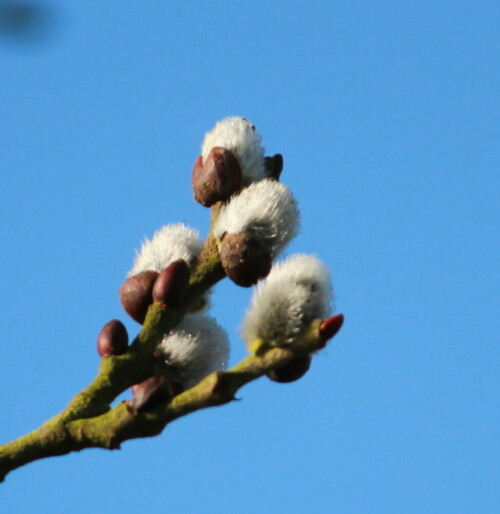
[136,294]
[112,339]
[152,392]
[216,178]
[244,259]
[172,284]
[291,371]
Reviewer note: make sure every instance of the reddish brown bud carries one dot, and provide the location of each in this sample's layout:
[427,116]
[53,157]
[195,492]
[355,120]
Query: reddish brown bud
[216,178]
[172,284]
[112,339]
[331,326]
[291,371]
[244,259]
[136,294]
[153,392]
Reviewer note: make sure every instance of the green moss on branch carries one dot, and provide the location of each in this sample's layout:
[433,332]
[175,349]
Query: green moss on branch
[65,433]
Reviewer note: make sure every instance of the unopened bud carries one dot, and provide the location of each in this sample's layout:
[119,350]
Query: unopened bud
[136,294]
[172,284]
[331,326]
[217,177]
[244,258]
[291,371]
[274,166]
[112,339]
[152,392]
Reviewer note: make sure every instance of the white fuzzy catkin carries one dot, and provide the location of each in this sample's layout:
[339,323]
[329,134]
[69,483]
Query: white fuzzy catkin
[238,135]
[265,210]
[169,243]
[295,293]
[195,348]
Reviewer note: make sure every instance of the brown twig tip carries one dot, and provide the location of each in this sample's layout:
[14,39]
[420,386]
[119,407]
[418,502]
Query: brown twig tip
[331,326]
[274,166]
[172,284]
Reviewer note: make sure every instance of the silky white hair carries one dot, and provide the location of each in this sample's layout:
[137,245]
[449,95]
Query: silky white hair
[265,210]
[296,292]
[195,348]
[169,243]
[240,137]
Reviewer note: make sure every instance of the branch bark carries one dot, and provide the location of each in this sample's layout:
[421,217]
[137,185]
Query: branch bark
[73,431]
[89,421]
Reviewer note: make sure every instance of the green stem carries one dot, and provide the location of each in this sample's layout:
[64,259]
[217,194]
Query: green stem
[65,433]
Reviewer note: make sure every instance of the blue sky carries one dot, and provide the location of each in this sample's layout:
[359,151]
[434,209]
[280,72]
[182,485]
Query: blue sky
[387,115]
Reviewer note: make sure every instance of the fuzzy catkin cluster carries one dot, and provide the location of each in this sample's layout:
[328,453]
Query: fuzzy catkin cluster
[194,349]
[257,216]
[169,243]
[198,345]
[296,292]
[265,210]
[240,137]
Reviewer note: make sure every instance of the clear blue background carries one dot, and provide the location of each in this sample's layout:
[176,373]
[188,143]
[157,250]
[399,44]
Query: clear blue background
[387,115]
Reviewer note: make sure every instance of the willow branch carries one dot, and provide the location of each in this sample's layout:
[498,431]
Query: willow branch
[65,434]
[90,420]
[116,374]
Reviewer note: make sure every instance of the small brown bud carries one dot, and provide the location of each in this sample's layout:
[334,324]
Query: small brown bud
[136,294]
[244,259]
[153,392]
[216,178]
[331,326]
[172,284]
[274,166]
[291,371]
[112,339]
